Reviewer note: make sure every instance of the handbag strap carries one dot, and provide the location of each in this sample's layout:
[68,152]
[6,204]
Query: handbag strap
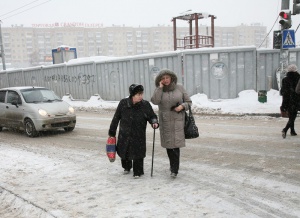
[190,111]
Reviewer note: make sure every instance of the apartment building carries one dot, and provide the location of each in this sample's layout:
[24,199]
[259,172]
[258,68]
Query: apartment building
[32,46]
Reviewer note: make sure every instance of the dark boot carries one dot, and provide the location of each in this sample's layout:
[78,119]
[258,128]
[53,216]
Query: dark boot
[174,156]
[283,132]
[293,133]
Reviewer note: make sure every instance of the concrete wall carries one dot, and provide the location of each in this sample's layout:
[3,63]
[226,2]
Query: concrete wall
[220,73]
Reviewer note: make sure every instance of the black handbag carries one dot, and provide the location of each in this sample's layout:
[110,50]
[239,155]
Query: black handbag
[190,128]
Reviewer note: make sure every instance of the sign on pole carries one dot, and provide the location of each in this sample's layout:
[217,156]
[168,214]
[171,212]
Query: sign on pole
[277,39]
[288,39]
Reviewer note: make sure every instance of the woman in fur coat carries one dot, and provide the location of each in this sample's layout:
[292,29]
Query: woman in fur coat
[172,100]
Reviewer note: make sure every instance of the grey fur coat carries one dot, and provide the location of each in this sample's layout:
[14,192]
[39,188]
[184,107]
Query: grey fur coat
[171,123]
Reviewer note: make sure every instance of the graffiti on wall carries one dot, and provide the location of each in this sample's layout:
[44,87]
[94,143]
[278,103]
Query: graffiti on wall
[154,71]
[33,80]
[219,70]
[81,78]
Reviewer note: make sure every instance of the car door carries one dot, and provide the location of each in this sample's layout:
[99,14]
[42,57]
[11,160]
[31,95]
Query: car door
[2,108]
[14,113]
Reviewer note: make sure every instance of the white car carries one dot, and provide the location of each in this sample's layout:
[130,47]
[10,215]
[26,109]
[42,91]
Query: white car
[34,109]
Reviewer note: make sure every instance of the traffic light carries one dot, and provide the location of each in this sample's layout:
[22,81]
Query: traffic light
[296,7]
[285,19]
[277,39]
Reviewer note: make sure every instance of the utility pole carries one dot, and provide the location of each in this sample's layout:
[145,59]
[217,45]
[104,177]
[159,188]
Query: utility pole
[284,53]
[285,4]
[2,55]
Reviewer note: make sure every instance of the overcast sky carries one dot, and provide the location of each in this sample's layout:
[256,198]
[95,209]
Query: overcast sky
[136,13]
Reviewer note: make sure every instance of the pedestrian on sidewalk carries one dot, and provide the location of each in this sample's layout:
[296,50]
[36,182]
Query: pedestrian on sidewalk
[290,99]
[133,113]
[172,100]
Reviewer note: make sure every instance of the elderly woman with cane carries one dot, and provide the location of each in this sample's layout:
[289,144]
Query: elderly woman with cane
[133,113]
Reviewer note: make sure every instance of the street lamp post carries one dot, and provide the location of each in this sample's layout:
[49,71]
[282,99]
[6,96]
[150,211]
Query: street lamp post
[2,55]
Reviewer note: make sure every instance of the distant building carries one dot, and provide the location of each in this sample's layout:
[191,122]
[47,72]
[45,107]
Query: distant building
[241,36]
[32,46]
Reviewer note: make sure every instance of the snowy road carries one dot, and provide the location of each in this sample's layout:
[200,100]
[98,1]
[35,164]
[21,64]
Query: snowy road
[238,167]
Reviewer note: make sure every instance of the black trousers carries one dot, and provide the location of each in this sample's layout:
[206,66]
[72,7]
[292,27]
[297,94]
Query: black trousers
[174,156]
[292,117]
[137,165]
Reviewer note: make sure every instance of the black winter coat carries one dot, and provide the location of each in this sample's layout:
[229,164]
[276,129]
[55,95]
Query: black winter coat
[290,99]
[131,141]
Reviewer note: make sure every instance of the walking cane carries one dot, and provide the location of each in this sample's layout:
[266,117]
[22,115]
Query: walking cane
[153,153]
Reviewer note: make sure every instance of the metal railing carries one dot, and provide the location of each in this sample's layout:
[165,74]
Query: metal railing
[190,42]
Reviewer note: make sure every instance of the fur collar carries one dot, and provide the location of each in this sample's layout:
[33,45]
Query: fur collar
[169,88]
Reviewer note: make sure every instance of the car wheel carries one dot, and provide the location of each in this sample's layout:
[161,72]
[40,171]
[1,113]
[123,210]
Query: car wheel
[30,129]
[0,128]
[69,129]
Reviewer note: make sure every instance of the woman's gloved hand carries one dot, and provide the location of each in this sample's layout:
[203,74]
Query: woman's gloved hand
[155,125]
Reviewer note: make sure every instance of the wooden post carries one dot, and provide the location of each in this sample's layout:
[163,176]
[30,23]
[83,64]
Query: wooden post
[212,25]
[174,34]
[197,31]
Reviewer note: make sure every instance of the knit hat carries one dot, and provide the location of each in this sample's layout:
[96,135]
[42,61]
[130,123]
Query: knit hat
[134,89]
[292,68]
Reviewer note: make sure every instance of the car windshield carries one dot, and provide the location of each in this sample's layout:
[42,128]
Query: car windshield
[35,95]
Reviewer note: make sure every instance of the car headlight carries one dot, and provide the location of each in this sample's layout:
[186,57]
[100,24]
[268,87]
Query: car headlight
[43,112]
[71,110]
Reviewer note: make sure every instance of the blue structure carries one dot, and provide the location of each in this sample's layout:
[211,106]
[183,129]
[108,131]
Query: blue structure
[63,54]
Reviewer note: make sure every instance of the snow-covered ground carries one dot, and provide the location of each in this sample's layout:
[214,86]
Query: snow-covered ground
[238,167]
[246,103]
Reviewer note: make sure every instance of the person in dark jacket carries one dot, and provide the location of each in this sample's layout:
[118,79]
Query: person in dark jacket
[132,113]
[290,99]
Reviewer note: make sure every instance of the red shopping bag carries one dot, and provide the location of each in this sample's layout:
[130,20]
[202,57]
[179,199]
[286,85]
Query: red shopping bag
[111,148]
